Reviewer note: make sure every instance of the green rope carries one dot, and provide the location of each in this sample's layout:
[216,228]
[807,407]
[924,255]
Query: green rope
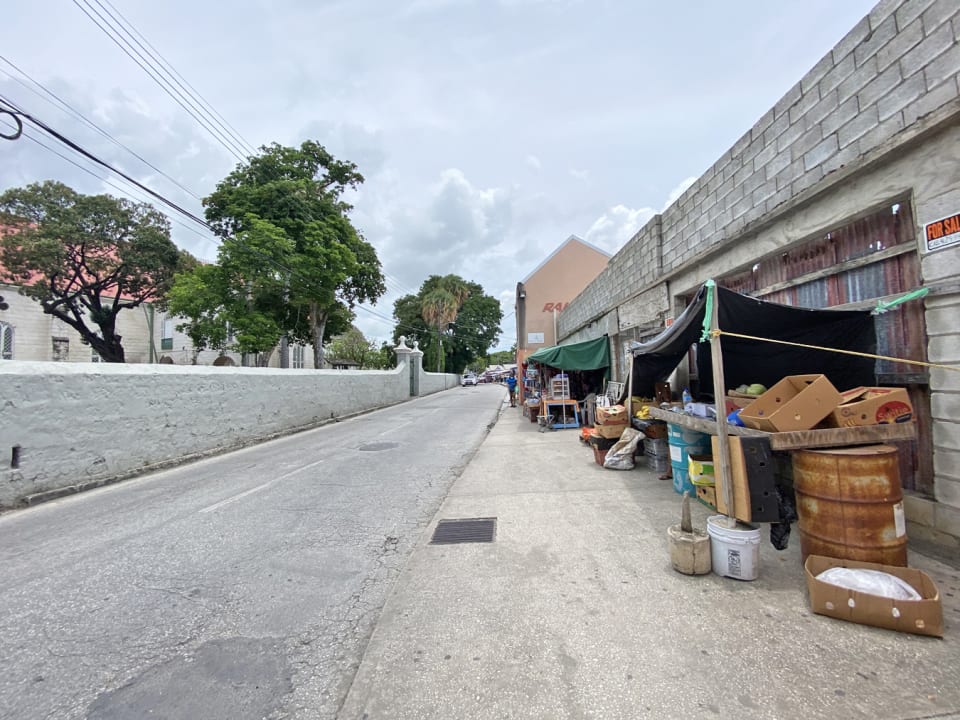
[882,306]
[708,313]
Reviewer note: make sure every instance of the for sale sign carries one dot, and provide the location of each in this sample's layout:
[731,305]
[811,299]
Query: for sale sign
[942,233]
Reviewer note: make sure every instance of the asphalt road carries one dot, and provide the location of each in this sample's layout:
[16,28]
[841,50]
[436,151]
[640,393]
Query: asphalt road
[242,586]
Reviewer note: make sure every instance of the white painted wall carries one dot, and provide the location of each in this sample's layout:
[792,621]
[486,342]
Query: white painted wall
[80,424]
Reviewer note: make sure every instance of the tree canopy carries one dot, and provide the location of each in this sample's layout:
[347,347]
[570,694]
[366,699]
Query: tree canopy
[450,340]
[353,345]
[291,263]
[85,258]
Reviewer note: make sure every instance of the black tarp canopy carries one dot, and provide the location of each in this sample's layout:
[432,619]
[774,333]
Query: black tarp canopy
[752,361]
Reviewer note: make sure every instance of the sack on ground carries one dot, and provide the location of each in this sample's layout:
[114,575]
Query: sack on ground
[620,456]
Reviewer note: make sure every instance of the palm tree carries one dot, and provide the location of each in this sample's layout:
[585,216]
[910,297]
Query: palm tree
[440,306]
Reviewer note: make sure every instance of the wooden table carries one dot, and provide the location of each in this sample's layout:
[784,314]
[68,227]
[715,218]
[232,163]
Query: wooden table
[562,403]
[799,439]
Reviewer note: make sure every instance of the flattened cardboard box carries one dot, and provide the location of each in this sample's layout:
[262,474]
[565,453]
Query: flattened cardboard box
[798,402]
[871,406]
[922,617]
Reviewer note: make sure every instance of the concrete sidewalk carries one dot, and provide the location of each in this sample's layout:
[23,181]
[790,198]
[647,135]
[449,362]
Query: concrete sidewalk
[574,611]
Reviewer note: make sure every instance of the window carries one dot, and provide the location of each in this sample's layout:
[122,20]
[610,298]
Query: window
[61,349]
[297,361]
[166,338]
[6,341]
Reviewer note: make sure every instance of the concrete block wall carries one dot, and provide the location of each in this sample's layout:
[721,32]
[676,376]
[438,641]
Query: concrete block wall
[897,65]
[80,425]
[876,121]
[882,84]
[634,267]
[944,349]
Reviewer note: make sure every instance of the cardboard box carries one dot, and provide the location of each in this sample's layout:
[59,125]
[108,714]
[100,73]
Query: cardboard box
[707,494]
[738,400]
[922,617]
[611,421]
[871,406]
[798,402]
[610,431]
[701,470]
[613,415]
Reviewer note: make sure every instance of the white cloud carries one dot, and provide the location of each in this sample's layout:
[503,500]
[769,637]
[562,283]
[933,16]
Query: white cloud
[678,191]
[616,226]
[532,161]
[582,175]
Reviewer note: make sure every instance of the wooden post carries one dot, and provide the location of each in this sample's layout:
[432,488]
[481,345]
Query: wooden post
[721,464]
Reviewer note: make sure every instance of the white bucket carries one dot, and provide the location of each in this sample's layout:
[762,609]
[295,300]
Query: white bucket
[734,552]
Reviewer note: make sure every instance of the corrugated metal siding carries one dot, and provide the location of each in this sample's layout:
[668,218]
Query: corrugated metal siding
[900,333]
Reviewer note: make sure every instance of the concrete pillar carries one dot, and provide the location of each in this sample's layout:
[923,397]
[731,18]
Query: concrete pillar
[405,358]
[416,366]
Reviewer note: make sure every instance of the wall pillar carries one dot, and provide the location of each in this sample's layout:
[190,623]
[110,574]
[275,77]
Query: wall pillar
[416,367]
[405,359]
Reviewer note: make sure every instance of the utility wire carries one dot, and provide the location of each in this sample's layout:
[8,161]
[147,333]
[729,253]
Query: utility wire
[17,112]
[189,89]
[90,156]
[107,181]
[167,87]
[77,114]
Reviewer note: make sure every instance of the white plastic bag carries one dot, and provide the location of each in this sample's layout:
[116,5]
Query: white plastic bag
[874,582]
[620,456]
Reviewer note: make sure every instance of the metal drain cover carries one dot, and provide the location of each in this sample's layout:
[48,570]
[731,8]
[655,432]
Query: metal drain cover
[471,530]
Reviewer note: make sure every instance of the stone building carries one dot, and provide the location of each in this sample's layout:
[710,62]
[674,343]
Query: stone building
[846,192]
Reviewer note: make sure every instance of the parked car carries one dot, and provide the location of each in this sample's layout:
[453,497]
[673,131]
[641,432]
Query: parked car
[468,379]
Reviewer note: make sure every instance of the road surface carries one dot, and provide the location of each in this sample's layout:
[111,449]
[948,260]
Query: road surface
[242,586]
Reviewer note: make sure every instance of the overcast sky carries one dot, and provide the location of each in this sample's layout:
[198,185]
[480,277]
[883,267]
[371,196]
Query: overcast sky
[488,131]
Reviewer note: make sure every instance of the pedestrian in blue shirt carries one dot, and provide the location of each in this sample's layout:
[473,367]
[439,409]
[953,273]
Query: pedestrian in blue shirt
[512,389]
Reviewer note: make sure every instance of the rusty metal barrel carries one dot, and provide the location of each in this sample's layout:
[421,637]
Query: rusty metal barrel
[850,504]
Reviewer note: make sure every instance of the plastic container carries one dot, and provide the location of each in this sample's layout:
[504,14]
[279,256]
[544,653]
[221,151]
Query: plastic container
[683,444]
[734,552]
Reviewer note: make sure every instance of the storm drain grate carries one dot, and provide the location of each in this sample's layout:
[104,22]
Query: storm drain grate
[472,530]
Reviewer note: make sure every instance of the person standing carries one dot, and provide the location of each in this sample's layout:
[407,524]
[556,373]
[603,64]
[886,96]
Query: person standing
[512,389]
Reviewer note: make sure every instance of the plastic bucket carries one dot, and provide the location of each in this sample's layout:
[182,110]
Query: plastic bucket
[734,552]
[683,444]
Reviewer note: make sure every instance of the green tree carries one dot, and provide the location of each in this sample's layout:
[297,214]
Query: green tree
[298,260]
[386,357]
[504,357]
[440,302]
[353,345]
[85,258]
[455,341]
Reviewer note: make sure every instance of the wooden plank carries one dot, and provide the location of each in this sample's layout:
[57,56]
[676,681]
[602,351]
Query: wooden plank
[799,439]
[834,437]
[700,424]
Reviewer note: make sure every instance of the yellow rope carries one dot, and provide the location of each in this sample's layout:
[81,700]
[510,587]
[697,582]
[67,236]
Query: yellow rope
[715,333]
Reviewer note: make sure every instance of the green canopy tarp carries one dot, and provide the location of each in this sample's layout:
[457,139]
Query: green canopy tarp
[587,355]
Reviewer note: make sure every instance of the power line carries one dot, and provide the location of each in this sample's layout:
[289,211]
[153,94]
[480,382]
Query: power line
[167,87]
[90,156]
[77,114]
[192,91]
[17,112]
[114,185]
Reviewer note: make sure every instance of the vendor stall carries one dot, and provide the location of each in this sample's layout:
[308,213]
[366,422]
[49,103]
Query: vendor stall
[561,377]
[803,356]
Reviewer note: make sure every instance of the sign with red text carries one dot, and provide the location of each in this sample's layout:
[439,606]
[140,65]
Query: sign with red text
[942,233]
